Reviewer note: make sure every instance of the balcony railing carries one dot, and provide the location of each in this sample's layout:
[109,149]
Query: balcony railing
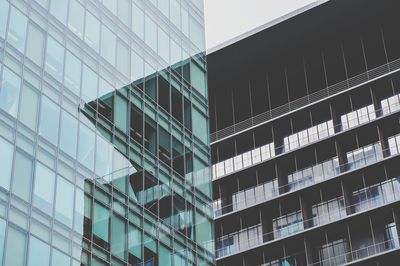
[306,100]
[293,223]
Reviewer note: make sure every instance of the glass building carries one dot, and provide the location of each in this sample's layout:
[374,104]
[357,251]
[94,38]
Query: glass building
[104,144]
[305,142]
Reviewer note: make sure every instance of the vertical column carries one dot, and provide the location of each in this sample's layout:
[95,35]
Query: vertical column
[347,197]
[341,157]
[384,141]
[306,212]
[308,251]
[337,122]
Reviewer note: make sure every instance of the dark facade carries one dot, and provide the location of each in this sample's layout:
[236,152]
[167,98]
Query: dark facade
[305,138]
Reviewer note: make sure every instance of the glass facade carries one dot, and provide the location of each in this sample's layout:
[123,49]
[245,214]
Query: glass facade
[104,147]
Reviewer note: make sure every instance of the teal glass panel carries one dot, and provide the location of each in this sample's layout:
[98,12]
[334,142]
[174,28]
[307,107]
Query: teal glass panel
[64,209]
[92,31]
[49,120]
[135,241]
[6,160]
[201,176]
[198,79]
[2,237]
[43,194]
[76,18]
[59,259]
[86,147]
[68,134]
[89,84]
[15,248]
[72,76]
[23,175]
[59,10]
[138,21]
[79,210]
[108,44]
[54,64]
[29,107]
[199,125]
[121,113]
[103,158]
[101,222]
[39,252]
[9,92]
[4,5]
[17,29]
[118,233]
[165,256]
[204,231]
[35,45]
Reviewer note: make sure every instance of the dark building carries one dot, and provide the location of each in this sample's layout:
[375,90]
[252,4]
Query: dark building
[305,138]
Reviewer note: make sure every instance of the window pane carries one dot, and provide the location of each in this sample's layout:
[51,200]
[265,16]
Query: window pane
[59,10]
[89,84]
[3,17]
[72,77]
[43,195]
[108,43]
[64,201]
[9,92]
[100,222]
[29,107]
[121,113]
[103,157]
[135,242]
[86,147]
[35,45]
[22,180]
[54,58]
[17,29]
[76,18]
[203,231]
[124,11]
[6,160]
[123,58]
[138,21]
[2,237]
[92,31]
[16,248]
[137,67]
[68,134]
[49,120]
[198,79]
[59,259]
[165,256]
[163,45]
[118,233]
[199,125]
[39,252]
[111,5]
[79,211]
[151,33]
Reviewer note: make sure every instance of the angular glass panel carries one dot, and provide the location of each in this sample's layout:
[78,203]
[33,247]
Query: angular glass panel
[108,44]
[16,248]
[86,147]
[121,113]
[68,134]
[4,5]
[59,259]
[64,209]
[29,107]
[23,173]
[39,252]
[79,211]
[43,194]
[59,10]
[76,18]
[35,45]
[101,222]
[49,120]
[118,233]
[103,157]
[92,31]
[72,76]
[9,92]
[6,160]
[17,29]
[54,58]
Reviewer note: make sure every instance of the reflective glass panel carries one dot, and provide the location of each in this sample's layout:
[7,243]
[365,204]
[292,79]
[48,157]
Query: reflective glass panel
[76,18]
[4,5]
[72,76]
[54,58]
[101,221]
[89,84]
[92,31]
[86,147]
[39,252]
[17,29]
[59,10]
[35,45]
[16,248]
[29,107]
[118,233]
[49,120]
[199,125]
[138,21]
[2,237]
[22,180]
[68,134]
[9,92]
[151,33]
[64,201]
[6,160]
[59,259]
[43,194]
[108,44]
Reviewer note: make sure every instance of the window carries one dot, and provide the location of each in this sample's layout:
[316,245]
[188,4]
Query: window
[198,79]
[43,194]
[203,231]
[151,33]
[101,222]
[22,180]
[3,17]
[68,134]
[134,245]
[16,247]
[103,157]
[138,21]
[188,114]
[197,34]
[29,107]
[64,209]
[2,237]
[92,31]
[165,256]
[163,93]
[202,176]
[123,57]
[59,10]
[121,113]
[163,45]
[118,233]
[79,210]
[200,129]
[54,58]
[177,105]
[108,43]
[89,84]
[76,18]
[136,124]
[39,252]
[178,162]
[111,5]
[72,77]
[150,141]
[35,45]
[59,259]
[6,160]
[176,13]
[164,149]
[86,147]
[49,120]
[9,92]
[124,11]
[17,29]
[137,67]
